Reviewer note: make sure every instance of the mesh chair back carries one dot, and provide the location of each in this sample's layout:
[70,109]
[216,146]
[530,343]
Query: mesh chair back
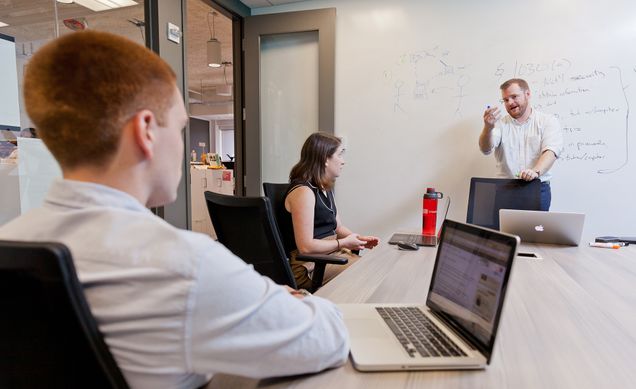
[246,226]
[49,338]
[488,195]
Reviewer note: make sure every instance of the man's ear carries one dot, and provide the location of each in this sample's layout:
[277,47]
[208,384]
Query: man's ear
[143,127]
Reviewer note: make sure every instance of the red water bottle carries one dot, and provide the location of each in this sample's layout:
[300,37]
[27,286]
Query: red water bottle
[429,211]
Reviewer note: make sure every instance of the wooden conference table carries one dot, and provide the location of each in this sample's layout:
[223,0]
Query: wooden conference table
[569,321]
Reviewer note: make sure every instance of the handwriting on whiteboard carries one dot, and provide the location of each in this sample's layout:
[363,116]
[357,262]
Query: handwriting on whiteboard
[590,103]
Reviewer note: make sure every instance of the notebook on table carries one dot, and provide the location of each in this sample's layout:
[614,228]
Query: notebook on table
[563,228]
[422,240]
[456,329]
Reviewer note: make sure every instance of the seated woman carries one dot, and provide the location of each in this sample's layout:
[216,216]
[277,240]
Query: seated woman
[310,200]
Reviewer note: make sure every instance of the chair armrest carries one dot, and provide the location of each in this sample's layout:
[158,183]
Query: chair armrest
[322,259]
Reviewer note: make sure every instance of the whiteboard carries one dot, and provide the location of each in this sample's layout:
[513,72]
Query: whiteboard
[413,78]
[9,97]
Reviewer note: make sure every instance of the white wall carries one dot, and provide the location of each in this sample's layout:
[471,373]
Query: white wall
[25,120]
[9,101]
[24,51]
[413,78]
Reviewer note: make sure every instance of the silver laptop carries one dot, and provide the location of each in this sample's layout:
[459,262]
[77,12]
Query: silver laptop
[563,228]
[457,327]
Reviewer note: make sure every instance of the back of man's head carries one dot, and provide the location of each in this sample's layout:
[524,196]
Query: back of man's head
[81,89]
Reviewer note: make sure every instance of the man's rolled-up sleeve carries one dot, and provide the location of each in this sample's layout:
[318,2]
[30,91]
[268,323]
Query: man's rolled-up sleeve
[495,140]
[552,138]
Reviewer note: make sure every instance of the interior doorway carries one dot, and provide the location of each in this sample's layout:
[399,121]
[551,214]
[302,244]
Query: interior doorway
[210,98]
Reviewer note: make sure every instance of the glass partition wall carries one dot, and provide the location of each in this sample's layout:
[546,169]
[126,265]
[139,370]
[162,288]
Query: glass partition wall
[26,166]
[210,100]
[26,25]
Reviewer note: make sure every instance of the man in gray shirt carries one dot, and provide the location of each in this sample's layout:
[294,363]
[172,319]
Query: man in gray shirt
[174,306]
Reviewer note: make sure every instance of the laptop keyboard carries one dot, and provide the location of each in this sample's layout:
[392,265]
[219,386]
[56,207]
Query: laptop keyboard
[411,239]
[417,333]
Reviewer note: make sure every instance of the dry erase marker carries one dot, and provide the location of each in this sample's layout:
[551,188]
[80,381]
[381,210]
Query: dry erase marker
[605,245]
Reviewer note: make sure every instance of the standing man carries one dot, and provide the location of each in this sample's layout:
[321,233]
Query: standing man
[174,306]
[526,141]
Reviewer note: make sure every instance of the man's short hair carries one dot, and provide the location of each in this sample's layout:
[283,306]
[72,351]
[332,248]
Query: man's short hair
[81,89]
[521,82]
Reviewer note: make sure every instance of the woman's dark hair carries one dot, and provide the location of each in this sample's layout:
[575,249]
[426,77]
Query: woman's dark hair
[313,156]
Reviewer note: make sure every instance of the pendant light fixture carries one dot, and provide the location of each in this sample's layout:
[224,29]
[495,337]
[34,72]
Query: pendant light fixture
[213,45]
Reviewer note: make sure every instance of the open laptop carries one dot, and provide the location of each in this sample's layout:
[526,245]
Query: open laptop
[457,327]
[422,240]
[563,228]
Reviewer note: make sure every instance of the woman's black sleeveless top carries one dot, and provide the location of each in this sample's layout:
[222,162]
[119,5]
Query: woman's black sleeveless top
[324,211]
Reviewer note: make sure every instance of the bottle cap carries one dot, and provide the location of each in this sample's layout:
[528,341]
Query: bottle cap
[432,194]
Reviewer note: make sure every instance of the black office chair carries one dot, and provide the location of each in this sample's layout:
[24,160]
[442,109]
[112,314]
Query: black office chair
[48,336]
[246,226]
[276,195]
[488,195]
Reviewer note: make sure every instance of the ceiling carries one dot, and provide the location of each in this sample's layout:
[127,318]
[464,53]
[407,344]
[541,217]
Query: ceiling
[31,22]
[267,3]
[199,73]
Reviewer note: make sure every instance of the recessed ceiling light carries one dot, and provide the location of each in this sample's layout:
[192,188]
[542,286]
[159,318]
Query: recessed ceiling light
[103,5]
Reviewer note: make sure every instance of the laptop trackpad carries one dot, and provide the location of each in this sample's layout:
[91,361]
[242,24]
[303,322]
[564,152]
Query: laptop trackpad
[373,344]
[367,328]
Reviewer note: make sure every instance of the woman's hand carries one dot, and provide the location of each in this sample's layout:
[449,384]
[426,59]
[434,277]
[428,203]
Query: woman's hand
[352,242]
[370,241]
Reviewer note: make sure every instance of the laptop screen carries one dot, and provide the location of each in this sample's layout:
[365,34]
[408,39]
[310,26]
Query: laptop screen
[488,195]
[469,280]
[543,227]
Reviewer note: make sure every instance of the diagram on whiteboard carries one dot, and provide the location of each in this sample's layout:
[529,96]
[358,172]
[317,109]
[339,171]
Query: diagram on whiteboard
[428,77]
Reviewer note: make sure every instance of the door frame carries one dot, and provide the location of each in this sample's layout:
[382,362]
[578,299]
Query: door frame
[236,11]
[321,20]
